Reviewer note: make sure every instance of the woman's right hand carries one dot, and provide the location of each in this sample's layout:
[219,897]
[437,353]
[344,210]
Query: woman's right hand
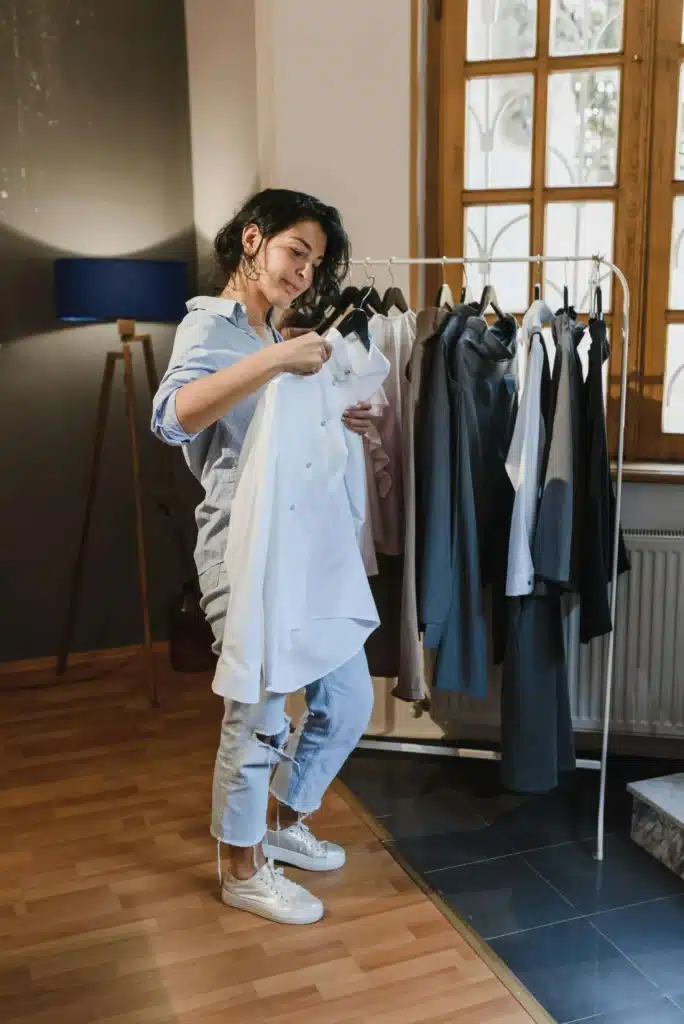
[303,352]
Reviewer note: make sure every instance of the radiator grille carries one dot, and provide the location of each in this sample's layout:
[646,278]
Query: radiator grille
[648,694]
[649,645]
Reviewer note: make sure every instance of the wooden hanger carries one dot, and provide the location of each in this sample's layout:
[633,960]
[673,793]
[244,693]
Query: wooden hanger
[487,299]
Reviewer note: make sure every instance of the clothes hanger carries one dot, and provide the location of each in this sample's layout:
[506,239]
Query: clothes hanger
[356,321]
[539,312]
[348,298]
[466,297]
[394,295]
[487,299]
[537,284]
[445,298]
[596,311]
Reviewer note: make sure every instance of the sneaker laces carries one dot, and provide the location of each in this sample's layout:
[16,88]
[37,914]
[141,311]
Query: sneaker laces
[307,837]
[278,883]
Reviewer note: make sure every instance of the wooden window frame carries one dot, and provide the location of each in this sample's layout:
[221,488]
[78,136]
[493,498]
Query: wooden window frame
[643,194]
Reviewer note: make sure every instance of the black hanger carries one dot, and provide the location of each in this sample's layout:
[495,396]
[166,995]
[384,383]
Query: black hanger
[370,300]
[355,322]
[537,292]
[394,297]
[566,299]
[489,298]
[349,296]
[599,302]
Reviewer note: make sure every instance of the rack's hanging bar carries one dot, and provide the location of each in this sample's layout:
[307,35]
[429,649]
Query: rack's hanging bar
[438,261]
[602,764]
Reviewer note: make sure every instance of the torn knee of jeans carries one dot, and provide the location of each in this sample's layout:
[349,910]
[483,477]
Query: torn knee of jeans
[267,741]
[275,744]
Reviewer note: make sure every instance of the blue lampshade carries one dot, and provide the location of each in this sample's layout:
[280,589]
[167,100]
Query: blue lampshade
[89,290]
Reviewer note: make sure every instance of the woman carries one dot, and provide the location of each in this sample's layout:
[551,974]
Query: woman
[282,249]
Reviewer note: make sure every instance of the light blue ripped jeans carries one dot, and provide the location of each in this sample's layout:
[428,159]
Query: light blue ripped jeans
[255,737]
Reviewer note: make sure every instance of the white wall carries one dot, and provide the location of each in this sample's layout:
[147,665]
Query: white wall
[334,111]
[223,111]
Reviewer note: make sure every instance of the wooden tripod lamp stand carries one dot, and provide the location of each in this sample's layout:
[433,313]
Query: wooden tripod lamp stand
[97,290]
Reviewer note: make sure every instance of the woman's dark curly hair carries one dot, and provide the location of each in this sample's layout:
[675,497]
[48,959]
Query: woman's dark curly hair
[275,210]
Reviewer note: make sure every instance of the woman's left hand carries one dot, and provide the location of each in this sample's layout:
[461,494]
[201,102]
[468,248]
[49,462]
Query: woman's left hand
[359,418]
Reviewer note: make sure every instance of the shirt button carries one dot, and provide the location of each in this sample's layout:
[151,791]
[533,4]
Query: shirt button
[308,465]
[292,508]
[323,422]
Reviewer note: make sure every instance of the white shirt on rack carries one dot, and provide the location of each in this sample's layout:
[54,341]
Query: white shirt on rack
[300,604]
[523,463]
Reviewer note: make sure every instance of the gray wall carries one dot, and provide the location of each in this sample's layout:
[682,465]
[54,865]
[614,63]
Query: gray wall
[653,507]
[94,161]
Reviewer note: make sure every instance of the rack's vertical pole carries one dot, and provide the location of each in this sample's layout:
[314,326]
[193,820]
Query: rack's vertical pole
[608,698]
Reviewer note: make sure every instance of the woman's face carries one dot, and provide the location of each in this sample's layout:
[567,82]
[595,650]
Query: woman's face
[286,262]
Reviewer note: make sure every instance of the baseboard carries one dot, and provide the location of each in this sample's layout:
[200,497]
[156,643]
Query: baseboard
[80,658]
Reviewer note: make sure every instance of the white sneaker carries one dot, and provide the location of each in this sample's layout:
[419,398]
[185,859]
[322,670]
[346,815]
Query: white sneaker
[297,845]
[269,894]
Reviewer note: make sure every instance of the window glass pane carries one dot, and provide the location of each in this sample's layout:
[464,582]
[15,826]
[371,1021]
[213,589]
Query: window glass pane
[501,28]
[582,127]
[586,26]
[577,229]
[499,231]
[679,151]
[677,256]
[673,384]
[499,132]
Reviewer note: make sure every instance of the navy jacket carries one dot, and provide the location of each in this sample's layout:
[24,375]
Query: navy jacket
[467,493]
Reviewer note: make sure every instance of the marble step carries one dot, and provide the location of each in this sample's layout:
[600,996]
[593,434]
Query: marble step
[658,819]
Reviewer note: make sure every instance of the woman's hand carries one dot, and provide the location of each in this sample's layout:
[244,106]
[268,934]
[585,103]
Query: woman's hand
[359,418]
[303,352]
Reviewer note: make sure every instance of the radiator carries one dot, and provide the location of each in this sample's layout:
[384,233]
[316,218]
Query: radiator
[648,684]
[648,694]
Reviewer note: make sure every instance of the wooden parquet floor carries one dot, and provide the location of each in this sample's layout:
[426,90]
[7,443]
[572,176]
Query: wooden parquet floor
[109,909]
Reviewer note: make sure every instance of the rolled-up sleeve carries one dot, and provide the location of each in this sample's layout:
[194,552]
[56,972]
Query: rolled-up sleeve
[203,345]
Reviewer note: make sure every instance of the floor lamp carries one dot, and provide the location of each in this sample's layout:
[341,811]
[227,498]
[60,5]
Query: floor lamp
[122,290]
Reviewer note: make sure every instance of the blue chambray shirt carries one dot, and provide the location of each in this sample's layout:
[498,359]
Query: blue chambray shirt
[214,334]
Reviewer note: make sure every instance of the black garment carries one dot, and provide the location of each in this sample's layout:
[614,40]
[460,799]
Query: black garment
[469,495]
[558,535]
[599,505]
[382,646]
[537,741]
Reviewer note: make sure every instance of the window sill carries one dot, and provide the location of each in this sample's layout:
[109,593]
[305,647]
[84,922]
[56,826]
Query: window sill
[652,472]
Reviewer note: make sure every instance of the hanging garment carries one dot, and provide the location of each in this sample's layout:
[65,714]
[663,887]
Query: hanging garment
[394,337]
[558,534]
[537,741]
[523,465]
[599,505]
[410,683]
[299,602]
[469,495]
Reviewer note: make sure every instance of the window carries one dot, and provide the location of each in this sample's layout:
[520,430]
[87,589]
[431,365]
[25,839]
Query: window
[559,126]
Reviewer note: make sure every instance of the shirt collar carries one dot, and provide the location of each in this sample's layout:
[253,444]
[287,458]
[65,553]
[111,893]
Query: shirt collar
[228,308]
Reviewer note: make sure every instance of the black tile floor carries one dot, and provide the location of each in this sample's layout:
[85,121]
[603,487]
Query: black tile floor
[593,942]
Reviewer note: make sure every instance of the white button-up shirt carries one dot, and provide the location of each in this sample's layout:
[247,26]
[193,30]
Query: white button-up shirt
[300,604]
[524,460]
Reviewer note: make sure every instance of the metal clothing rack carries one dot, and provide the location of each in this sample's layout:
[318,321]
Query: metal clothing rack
[602,764]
